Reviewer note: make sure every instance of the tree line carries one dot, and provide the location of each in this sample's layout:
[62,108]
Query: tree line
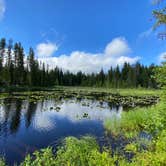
[16,69]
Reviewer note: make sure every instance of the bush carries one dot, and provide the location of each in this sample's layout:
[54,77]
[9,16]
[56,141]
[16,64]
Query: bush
[74,152]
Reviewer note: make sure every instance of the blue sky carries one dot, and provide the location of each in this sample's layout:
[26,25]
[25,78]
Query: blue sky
[70,32]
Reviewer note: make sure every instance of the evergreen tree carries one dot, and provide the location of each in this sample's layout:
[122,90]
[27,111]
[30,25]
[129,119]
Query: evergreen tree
[2,52]
[10,62]
[20,64]
[32,67]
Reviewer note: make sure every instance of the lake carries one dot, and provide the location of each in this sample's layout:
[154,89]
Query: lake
[28,126]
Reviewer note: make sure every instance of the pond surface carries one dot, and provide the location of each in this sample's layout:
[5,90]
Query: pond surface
[27,126]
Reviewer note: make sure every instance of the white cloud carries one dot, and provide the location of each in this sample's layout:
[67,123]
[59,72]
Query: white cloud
[46,49]
[162,57]
[43,122]
[2,9]
[115,53]
[117,47]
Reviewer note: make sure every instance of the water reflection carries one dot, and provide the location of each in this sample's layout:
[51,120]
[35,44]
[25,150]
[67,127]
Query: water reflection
[26,126]
[40,114]
[30,113]
[15,117]
[74,111]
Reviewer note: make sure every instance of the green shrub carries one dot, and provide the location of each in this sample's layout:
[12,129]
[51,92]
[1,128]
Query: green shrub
[82,152]
[74,152]
[43,157]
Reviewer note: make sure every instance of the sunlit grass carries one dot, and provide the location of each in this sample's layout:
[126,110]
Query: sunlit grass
[125,91]
[136,120]
[113,126]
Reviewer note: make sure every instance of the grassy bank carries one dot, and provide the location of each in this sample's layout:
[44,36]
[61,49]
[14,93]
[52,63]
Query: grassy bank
[136,120]
[125,91]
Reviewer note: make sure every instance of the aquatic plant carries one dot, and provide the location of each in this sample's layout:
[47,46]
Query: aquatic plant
[122,96]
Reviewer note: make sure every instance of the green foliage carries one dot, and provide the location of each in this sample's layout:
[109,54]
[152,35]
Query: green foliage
[156,155]
[120,91]
[160,16]
[44,157]
[151,120]
[82,152]
[113,126]
[132,147]
[85,152]
[130,123]
[2,162]
[161,74]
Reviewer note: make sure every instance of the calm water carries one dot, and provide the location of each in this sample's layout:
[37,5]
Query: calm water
[25,126]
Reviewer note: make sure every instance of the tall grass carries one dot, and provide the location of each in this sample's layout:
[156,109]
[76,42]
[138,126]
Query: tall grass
[136,120]
[113,125]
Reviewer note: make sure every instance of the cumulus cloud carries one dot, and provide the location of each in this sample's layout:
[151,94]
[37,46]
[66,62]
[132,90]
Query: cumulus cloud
[2,8]
[115,53]
[117,47]
[46,49]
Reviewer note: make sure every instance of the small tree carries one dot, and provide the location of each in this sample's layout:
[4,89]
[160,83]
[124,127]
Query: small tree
[160,16]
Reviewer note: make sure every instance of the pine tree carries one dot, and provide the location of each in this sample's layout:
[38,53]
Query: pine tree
[117,77]
[10,62]
[20,64]
[2,53]
[32,67]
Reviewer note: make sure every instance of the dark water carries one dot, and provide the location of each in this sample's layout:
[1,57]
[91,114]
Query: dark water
[26,127]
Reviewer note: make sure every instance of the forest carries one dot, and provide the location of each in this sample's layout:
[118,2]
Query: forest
[18,69]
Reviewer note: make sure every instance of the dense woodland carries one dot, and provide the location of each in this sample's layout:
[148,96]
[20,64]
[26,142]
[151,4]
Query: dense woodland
[16,69]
